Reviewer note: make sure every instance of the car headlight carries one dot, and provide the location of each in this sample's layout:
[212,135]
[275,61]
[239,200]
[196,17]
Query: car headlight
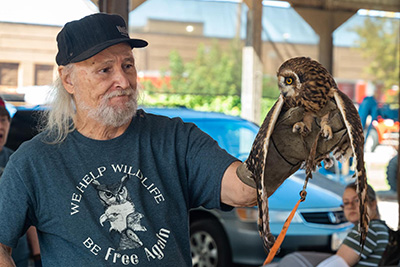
[280,216]
[275,216]
[247,214]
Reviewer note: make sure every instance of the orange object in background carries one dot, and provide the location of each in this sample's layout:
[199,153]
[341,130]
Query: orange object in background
[388,131]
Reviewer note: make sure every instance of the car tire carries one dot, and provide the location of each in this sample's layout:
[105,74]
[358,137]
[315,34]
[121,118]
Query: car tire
[209,245]
[391,173]
[372,141]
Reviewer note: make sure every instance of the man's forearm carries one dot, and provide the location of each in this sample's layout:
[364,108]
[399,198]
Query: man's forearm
[5,256]
[235,192]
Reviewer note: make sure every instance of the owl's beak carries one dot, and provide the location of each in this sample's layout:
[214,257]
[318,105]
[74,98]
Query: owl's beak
[284,94]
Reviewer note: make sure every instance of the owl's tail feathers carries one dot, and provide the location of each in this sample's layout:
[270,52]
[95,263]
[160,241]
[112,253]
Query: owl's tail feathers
[311,163]
[263,224]
[362,194]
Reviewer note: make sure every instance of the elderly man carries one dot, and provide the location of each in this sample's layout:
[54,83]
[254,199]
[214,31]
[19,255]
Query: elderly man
[106,184]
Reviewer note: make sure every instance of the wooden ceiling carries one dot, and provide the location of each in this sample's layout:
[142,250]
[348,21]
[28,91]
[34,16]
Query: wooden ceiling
[348,5]
[344,5]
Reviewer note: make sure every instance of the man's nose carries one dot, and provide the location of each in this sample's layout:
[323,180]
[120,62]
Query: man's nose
[122,78]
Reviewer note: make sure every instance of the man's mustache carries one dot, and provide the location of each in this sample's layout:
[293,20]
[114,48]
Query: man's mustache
[128,91]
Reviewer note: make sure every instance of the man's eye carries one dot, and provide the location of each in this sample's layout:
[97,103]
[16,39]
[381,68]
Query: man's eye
[129,66]
[288,81]
[105,70]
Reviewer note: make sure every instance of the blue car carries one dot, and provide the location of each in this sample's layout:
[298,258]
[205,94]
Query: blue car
[224,238]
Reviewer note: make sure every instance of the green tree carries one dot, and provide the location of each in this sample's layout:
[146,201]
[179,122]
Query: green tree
[213,71]
[379,42]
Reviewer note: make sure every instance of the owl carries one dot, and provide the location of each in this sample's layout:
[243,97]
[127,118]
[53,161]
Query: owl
[311,120]
[113,194]
[120,212]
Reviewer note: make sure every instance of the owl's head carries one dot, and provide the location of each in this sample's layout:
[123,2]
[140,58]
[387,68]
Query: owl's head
[291,76]
[112,194]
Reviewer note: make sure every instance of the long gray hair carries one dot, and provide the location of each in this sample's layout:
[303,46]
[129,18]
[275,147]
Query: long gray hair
[57,121]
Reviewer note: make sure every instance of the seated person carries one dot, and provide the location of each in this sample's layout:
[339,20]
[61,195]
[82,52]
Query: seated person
[349,252]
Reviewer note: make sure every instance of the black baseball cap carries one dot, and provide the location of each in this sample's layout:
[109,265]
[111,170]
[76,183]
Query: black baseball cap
[81,39]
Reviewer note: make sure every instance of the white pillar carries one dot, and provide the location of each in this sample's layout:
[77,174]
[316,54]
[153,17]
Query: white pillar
[251,85]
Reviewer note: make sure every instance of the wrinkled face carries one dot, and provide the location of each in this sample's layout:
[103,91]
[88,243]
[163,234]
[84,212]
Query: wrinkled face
[351,205]
[104,86]
[288,83]
[4,128]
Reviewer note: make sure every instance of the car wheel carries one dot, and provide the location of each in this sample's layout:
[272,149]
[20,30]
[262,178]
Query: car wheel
[391,173]
[209,245]
[372,140]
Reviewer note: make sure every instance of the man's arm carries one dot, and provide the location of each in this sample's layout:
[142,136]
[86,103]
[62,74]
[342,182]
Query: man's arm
[234,192]
[33,242]
[5,256]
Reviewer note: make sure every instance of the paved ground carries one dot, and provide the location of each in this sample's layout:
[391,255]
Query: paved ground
[376,164]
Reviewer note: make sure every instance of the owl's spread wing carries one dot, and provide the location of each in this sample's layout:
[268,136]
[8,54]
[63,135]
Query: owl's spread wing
[356,136]
[255,165]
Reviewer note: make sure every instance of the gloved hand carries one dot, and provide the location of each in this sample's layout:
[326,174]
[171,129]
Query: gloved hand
[287,151]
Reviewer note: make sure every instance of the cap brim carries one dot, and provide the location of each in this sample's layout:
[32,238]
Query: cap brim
[100,47]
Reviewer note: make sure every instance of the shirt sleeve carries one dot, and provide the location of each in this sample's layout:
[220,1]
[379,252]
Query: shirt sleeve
[376,240]
[14,206]
[207,163]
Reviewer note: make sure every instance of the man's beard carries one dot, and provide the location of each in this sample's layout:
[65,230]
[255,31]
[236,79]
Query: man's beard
[114,116]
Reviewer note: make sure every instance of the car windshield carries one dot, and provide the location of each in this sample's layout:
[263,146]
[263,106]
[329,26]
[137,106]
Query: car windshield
[236,137]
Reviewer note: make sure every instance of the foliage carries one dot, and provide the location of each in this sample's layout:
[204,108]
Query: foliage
[225,104]
[213,71]
[209,82]
[269,87]
[379,41]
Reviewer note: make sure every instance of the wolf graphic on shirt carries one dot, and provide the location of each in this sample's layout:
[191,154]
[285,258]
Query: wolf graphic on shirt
[119,211]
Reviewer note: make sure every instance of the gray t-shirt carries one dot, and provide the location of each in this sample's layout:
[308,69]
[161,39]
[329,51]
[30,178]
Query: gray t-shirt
[119,202]
[21,252]
[5,154]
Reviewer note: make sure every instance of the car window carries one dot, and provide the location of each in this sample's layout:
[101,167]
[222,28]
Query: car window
[236,137]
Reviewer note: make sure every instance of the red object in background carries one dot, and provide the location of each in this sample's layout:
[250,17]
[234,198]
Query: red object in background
[361,91]
[348,88]
[387,130]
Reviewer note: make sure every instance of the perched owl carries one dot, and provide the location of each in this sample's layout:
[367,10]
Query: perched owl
[311,119]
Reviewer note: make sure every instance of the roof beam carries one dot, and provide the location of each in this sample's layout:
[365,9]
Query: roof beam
[348,5]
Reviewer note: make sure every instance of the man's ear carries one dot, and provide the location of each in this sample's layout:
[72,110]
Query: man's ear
[65,76]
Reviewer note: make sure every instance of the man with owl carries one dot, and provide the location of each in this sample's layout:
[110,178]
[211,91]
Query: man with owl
[94,135]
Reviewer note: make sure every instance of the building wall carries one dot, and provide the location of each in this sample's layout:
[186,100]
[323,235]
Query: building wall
[33,48]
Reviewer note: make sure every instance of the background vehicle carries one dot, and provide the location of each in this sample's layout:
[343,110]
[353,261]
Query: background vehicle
[219,238]
[383,127]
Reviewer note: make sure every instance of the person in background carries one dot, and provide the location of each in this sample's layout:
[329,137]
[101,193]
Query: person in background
[348,253]
[28,244]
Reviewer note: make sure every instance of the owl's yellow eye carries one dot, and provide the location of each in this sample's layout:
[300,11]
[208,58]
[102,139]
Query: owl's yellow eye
[288,81]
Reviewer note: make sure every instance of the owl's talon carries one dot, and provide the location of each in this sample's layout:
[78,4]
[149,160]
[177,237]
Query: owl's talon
[298,127]
[328,163]
[301,128]
[326,132]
